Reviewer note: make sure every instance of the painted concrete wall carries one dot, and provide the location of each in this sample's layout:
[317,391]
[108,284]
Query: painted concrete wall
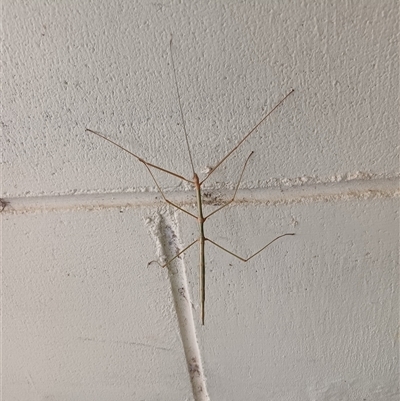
[315,315]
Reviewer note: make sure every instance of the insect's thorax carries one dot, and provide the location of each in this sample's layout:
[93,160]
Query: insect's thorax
[200,217]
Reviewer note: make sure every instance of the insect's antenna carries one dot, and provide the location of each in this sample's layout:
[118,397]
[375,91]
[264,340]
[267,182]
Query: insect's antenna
[180,106]
[248,134]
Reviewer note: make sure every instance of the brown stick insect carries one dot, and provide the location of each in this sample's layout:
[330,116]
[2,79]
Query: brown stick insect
[196,182]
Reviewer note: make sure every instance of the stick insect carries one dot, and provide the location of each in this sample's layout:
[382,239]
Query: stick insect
[197,183]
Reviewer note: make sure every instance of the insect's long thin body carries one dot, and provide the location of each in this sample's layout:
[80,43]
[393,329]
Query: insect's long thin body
[202,239]
[202,263]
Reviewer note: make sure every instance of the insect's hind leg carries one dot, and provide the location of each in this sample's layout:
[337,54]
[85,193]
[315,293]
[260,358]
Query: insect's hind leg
[236,189]
[254,254]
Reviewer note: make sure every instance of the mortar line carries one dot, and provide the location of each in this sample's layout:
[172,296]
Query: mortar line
[308,193]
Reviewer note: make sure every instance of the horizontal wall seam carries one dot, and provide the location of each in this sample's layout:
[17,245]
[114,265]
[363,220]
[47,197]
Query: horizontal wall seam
[308,193]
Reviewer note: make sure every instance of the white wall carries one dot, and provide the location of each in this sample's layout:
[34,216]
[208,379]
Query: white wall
[314,316]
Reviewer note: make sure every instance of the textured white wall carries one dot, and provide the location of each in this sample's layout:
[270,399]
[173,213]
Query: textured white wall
[315,316]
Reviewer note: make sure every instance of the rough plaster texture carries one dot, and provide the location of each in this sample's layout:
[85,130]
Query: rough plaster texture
[315,316]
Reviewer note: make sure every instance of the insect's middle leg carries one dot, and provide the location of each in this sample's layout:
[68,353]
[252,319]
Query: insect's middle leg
[236,189]
[176,256]
[163,195]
